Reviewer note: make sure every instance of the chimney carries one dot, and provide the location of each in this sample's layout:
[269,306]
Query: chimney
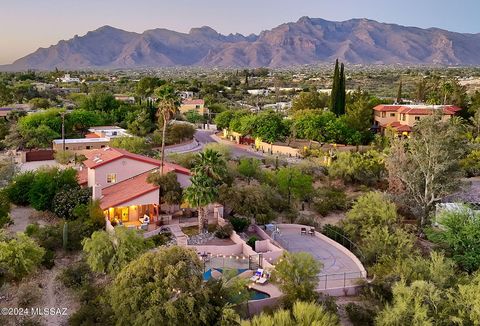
[97,191]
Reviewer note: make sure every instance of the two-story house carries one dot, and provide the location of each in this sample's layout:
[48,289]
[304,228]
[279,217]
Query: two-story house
[402,118]
[193,105]
[118,179]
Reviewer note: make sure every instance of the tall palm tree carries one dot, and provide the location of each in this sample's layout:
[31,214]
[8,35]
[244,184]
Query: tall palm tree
[211,164]
[167,108]
[207,175]
[200,194]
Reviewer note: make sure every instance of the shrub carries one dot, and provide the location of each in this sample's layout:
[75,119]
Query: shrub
[329,199]
[64,157]
[20,256]
[47,183]
[367,168]
[76,275]
[224,232]
[65,201]
[17,191]
[161,239]
[334,232]
[48,260]
[239,223]
[187,160]
[306,220]
[359,315]
[471,163]
[251,241]
[28,294]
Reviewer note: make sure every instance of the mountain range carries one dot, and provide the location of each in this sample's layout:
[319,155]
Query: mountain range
[307,41]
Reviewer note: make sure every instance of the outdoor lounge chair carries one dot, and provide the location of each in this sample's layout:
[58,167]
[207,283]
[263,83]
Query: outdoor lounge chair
[258,274]
[303,231]
[311,231]
[263,279]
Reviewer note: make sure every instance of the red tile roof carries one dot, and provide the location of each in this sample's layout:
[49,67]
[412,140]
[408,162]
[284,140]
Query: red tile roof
[92,135]
[200,102]
[387,108]
[82,176]
[126,190]
[105,155]
[416,109]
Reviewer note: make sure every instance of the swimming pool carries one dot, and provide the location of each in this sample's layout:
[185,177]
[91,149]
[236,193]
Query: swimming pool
[257,295]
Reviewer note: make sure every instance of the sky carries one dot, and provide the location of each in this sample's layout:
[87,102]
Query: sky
[27,25]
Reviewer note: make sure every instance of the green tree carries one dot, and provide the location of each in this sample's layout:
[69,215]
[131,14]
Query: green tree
[399,93]
[170,188]
[309,101]
[141,125]
[193,116]
[19,256]
[109,253]
[65,201]
[222,120]
[338,96]
[371,210]
[297,276]
[167,108]
[292,183]
[165,287]
[426,165]
[135,145]
[17,191]
[420,303]
[249,168]
[202,192]
[269,127]
[47,183]
[460,235]
[302,314]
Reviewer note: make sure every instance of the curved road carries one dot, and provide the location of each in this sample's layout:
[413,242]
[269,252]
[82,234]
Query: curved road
[204,137]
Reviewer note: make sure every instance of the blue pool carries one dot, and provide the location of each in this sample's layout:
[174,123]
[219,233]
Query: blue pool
[257,295]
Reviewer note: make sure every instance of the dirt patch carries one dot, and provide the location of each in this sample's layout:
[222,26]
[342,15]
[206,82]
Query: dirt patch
[52,294]
[21,217]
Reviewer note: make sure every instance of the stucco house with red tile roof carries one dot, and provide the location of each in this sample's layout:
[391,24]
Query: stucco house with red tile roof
[402,118]
[119,180]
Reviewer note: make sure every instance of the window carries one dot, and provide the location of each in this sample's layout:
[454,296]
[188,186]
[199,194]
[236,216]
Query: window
[417,118]
[384,114]
[197,106]
[103,146]
[88,147]
[66,147]
[403,116]
[111,178]
[392,114]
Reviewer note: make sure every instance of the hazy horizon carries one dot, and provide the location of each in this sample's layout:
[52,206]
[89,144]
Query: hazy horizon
[32,24]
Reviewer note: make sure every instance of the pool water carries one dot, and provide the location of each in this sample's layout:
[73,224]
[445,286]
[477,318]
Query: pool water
[257,295]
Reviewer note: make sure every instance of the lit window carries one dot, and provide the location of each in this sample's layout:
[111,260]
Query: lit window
[111,177]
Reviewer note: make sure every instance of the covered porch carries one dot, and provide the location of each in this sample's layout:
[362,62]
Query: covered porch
[145,217]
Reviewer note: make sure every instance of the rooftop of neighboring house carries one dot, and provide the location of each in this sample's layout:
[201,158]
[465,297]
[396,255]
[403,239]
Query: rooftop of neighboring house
[193,102]
[82,140]
[417,109]
[103,156]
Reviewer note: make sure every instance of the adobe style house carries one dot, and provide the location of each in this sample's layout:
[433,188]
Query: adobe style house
[98,137]
[119,180]
[402,118]
[193,105]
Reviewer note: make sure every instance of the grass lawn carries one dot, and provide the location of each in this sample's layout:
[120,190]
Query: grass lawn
[193,230]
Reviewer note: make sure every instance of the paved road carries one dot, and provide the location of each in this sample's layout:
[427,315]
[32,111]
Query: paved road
[204,137]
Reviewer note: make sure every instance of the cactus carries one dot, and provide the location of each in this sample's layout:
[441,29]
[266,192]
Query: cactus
[65,235]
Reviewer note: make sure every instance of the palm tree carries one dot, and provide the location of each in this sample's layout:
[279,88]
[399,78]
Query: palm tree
[208,174]
[167,108]
[200,194]
[210,163]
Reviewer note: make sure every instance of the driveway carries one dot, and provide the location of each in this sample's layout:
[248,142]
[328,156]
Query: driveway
[32,166]
[338,268]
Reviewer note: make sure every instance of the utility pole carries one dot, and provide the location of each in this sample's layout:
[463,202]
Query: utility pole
[63,130]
